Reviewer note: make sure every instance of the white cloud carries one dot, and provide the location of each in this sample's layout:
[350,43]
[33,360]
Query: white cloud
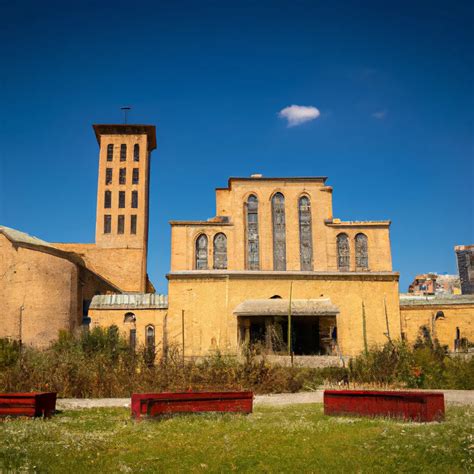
[298,114]
[380,114]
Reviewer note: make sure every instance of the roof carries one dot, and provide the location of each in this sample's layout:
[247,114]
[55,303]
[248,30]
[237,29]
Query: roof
[436,300]
[19,237]
[339,223]
[314,179]
[130,301]
[280,307]
[127,129]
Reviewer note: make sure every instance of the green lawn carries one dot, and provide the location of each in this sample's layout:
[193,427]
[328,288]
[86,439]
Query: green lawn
[290,439]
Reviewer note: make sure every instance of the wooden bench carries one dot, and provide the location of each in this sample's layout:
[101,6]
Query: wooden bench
[417,406]
[27,404]
[159,404]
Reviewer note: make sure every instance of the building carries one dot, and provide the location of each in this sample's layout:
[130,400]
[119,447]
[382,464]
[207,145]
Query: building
[433,283]
[273,249]
[465,258]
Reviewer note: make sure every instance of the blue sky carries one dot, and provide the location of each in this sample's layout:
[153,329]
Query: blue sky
[393,84]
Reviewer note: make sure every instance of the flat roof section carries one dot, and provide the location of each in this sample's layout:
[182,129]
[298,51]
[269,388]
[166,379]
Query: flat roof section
[127,129]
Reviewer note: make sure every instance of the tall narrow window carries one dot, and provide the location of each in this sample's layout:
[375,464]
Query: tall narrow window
[108,175]
[123,152]
[135,176]
[133,339]
[108,199]
[362,252]
[110,152]
[134,199]
[150,337]
[122,175]
[201,252]
[220,251]
[343,253]
[120,224]
[136,152]
[121,199]
[279,232]
[306,239]
[133,224]
[107,223]
[253,259]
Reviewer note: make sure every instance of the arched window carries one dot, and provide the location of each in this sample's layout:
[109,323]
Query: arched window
[279,232]
[108,199]
[136,152]
[110,152]
[201,252]
[129,318]
[306,240]
[253,257]
[150,336]
[343,253]
[220,251]
[362,252]
[123,152]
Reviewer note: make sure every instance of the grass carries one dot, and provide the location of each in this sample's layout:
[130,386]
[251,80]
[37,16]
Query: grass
[289,439]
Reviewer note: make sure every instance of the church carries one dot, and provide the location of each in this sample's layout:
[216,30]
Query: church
[273,266]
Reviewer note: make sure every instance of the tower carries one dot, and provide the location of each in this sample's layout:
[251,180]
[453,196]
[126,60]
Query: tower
[122,201]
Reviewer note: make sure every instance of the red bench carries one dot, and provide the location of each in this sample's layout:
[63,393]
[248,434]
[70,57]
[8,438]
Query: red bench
[159,404]
[418,406]
[27,404]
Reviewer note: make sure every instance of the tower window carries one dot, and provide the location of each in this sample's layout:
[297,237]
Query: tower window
[122,175]
[343,253]
[251,208]
[107,223]
[201,252]
[133,224]
[220,251]
[135,176]
[108,199]
[279,232]
[120,224]
[108,175]
[110,152]
[362,252]
[136,152]
[121,199]
[134,199]
[306,241]
[123,152]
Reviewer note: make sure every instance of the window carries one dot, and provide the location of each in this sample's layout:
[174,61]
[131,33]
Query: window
[122,175]
[306,240]
[110,152]
[133,339]
[279,232]
[201,252]
[120,224]
[362,254]
[135,176]
[133,224]
[121,199]
[129,318]
[134,199]
[136,152]
[253,258]
[343,253]
[107,223]
[108,175]
[108,199]
[150,337]
[123,152]
[220,251]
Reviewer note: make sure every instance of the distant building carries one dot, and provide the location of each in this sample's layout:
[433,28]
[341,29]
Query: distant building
[433,284]
[465,257]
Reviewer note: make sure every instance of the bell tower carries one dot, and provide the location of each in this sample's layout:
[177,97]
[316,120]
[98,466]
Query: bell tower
[123,197]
